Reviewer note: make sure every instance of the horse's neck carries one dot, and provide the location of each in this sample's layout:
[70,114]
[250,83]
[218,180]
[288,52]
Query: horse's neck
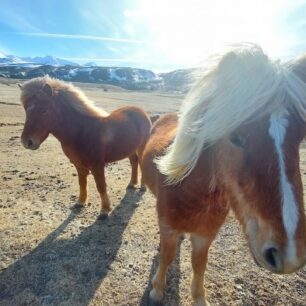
[203,179]
[70,126]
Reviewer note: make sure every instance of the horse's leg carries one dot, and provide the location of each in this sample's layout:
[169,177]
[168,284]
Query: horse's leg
[143,185]
[168,246]
[82,173]
[134,176]
[200,246]
[101,186]
[139,154]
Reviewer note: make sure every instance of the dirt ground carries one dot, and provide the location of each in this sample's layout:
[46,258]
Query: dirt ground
[51,254]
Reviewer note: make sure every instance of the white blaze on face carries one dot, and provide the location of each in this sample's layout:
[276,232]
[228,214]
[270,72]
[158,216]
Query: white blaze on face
[277,131]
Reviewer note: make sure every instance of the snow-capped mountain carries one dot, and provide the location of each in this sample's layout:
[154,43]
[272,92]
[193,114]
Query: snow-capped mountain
[132,78]
[47,60]
[10,59]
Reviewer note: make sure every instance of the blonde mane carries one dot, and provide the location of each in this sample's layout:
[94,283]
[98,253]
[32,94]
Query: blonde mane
[65,93]
[237,85]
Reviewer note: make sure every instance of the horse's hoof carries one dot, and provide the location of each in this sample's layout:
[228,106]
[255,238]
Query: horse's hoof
[154,303]
[201,302]
[143,189]
[156,296]
[102,216]
[78,206]
[130,186]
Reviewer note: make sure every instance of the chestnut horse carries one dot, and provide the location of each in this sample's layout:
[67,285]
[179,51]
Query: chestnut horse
[90,137]
[235,144]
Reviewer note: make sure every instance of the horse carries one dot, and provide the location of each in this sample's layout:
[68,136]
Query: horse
[233,145]
[90,137]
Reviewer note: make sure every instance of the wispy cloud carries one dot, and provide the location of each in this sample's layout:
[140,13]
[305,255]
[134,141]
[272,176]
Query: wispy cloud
[78,36]
[118,60]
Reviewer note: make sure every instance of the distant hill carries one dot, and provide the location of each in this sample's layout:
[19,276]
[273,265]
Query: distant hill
[90,64]
[178,80]
[126,77]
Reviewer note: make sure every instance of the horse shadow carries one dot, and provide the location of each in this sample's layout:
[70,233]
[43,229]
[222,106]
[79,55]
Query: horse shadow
[68,270]
[171,294]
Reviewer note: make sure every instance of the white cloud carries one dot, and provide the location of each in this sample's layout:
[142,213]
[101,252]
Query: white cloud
[118,60]
[84,37]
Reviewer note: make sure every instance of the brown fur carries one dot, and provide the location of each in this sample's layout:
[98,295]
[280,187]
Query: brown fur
[199,204]
[89,137]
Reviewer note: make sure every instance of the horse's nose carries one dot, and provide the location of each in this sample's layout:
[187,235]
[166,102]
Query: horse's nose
[30,143]
[273,258]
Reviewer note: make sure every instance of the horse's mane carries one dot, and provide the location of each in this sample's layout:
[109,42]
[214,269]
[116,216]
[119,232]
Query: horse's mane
[236,86]
[65,93]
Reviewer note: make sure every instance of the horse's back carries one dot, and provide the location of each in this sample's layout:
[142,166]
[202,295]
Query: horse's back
[133,116]
[131,111]
[162,134]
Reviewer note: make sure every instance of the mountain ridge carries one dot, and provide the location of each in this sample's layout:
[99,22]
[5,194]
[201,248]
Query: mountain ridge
[126,77]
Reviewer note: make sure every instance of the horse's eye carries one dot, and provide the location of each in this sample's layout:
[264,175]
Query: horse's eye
[237,140]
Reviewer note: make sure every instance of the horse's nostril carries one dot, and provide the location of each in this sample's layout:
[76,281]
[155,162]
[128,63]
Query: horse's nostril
[30,143]
[272,257]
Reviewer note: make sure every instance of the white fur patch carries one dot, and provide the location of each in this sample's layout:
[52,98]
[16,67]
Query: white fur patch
[277,131]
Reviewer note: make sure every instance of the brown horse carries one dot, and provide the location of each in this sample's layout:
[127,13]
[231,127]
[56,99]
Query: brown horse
[235,145]
[89,136]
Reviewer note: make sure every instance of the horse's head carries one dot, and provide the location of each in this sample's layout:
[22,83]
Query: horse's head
[260,168]
[38,108]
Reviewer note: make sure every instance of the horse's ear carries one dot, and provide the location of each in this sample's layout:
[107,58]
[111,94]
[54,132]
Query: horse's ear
[47,89]
[19,85]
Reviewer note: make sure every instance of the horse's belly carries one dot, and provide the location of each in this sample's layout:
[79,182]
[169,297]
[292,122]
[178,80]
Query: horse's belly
[121,149]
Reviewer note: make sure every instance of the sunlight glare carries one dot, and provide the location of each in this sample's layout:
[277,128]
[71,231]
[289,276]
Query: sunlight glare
[186,31]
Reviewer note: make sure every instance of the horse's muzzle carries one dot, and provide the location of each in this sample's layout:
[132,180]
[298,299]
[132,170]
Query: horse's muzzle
[30,144]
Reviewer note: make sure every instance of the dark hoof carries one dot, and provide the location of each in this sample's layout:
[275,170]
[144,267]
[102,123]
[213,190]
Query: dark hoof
[130,186]
[154,303]
[143,189]
[77,206]
[102,217]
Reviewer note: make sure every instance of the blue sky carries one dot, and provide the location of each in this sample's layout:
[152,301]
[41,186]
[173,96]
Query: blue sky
[155,34]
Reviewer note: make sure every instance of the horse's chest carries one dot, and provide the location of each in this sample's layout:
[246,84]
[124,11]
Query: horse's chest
[74,156]
[201,213]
